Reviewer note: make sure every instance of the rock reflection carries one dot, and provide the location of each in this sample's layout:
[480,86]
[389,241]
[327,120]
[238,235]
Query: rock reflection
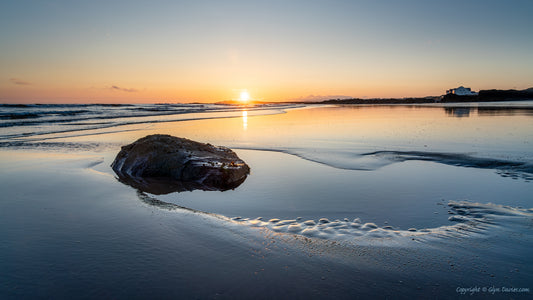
[162,186]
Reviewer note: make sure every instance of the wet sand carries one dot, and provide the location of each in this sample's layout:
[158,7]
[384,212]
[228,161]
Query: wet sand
[76,231]
[71,229]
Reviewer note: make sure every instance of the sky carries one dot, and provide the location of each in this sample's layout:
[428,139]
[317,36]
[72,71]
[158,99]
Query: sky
[208,51]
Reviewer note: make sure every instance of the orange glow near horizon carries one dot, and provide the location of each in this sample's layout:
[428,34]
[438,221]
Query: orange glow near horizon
[187,51]
[139,93]
[208,90]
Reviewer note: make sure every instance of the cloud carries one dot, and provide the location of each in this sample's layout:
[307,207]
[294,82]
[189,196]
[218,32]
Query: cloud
[19,81]
[117,88]
[321,97]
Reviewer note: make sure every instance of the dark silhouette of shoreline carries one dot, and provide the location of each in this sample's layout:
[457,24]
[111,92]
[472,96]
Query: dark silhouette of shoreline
[483,96]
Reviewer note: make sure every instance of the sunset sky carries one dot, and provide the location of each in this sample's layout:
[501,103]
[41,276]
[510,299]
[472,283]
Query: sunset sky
[208,51]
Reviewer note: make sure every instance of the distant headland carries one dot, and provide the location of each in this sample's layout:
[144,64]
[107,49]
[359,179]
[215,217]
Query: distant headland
[450,97]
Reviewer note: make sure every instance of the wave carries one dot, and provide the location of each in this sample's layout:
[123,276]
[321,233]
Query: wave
[371,161]
[34,121]
[60,146]
[37,115]
[455,159]
[65,105]
[469,219]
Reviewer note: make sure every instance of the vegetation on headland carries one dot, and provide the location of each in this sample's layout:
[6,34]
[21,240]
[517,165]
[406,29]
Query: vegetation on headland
[483,96]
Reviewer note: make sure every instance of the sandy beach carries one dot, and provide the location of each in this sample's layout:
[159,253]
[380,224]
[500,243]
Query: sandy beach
[323,214]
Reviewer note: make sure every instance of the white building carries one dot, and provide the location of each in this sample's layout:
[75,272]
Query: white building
[461,91]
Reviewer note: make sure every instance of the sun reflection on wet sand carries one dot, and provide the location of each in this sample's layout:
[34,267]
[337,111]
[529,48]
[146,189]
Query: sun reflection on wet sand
[245,119]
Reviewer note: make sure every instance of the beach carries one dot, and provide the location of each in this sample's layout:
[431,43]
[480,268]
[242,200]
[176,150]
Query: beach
[343,201]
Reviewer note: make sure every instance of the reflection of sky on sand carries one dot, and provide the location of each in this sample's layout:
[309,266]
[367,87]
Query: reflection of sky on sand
[345,136]
[402,195]
[66,227]
[403,190]
[488,131]
[372,123]
[64,224]
[338,134]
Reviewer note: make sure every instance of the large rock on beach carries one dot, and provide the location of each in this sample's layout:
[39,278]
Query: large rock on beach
[161,164]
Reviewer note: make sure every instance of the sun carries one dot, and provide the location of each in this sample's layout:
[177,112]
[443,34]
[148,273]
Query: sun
[244,96]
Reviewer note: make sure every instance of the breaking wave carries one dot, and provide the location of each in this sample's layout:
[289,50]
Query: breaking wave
[36,120]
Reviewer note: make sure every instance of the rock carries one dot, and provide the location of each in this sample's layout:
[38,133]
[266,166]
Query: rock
[161,164]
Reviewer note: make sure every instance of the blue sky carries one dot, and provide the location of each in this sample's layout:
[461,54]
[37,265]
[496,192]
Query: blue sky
[277,50]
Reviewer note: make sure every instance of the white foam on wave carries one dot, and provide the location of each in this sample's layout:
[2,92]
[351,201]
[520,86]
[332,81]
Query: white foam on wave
[469,219]
[96,117]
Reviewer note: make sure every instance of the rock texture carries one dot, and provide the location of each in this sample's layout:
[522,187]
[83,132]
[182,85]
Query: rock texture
[160,164]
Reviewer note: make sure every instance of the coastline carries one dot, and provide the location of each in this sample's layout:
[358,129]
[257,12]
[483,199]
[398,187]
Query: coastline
[483,96]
